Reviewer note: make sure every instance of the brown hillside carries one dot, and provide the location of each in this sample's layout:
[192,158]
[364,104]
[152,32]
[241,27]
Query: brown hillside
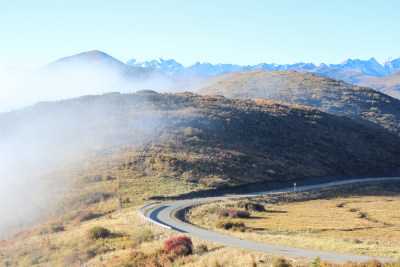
[334,96]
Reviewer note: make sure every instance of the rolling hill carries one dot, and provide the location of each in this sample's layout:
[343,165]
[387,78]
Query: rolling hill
[206,141]
[65,163]
[334,96]
[389,84]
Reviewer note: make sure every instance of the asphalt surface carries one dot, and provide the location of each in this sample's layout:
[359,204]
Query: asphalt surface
[163,214]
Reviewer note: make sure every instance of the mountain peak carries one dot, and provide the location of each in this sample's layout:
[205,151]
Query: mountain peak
[89,57]
[169,66]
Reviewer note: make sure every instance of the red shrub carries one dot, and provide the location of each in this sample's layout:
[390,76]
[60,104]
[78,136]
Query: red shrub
[181,245]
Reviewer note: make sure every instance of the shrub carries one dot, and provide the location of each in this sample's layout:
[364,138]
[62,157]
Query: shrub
[181,246]
[229,224]
[223,212]
[316,262]
[202,248]
[251,206]
[142,235]
[97,232]
[238,229]
[50,229]
[239,214]
[135,258]
[56,228]
[84,216]
[280,262]
[233,213]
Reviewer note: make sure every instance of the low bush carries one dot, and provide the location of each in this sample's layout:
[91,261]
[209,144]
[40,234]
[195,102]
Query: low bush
[202,248]
[50,229]
[84,216]
[280,262]
[141,235]
[229,224]
[181,246]
[238,229]
[233,213]
[247,205]
[97,232]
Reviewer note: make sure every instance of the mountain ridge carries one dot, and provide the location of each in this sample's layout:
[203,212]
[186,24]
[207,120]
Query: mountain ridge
[330,95]
[367,67]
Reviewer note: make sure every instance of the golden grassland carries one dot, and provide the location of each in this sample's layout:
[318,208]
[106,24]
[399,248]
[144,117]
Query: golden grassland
[72,247]
[366,222]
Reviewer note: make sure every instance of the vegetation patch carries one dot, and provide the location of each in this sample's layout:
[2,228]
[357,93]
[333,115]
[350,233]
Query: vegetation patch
[181,246]
[231,225]
[142,234]
[97,232]
[233,213]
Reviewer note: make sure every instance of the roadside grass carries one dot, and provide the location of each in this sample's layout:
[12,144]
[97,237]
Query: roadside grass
[363,222]
[73,247]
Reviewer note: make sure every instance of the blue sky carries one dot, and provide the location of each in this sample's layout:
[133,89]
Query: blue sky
[34,33]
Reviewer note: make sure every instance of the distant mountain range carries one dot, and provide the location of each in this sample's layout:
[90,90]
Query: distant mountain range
[369,67]
[354,71]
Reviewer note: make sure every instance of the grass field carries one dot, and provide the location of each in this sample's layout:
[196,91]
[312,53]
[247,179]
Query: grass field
[72,247]
[365,221]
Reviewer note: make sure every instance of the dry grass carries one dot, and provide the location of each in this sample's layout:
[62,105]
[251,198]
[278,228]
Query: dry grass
[51,249]
[359,223]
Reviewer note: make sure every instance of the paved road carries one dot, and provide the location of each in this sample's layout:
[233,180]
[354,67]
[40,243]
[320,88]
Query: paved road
[162,214]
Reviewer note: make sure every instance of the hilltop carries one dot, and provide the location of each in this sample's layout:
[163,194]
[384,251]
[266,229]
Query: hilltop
[334,96]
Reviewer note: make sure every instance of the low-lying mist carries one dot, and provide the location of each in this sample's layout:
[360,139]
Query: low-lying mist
[45,134]
[20,88]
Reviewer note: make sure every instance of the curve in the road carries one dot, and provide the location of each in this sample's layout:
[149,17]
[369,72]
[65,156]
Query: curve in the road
[162,214]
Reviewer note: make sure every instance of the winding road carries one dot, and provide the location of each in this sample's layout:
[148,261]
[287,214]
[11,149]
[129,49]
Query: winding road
[162,214]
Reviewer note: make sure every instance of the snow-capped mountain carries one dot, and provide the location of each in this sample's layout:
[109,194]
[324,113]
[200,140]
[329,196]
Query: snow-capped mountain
[392,64]
[207,69]
[369,68]
[170,66]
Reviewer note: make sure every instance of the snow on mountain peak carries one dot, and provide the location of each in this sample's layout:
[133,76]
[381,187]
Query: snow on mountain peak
[171,67]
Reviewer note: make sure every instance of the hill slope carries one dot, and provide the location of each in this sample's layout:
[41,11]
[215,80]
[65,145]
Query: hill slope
[389,84]
[327,94]
[71,156]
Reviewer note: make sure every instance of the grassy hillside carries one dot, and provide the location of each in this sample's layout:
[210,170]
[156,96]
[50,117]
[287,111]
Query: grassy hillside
[74,158]
[389,84]
[228,136]
[307,89]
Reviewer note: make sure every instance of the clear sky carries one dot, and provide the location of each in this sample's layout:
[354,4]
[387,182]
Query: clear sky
[36,32]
